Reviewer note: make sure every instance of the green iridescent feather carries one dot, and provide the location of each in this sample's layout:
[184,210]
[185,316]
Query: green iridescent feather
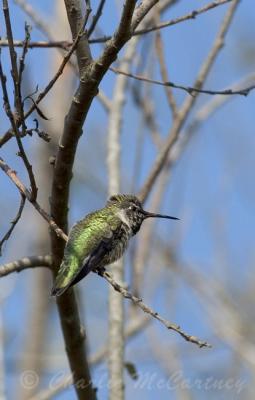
[83,240]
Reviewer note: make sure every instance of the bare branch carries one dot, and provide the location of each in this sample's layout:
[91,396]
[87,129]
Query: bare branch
[19,119]
[192,15]
[216,102]
[144,9]
[22,153]
[116,310]
[203,113]
[138,301]
[145,102]
[143,248]
[25,192]
[189,89]
[78,23]
[30,262]
[25,263]
[24,53]
[13,222]
[164,74]
[141,11]
[61,44]
[96,17]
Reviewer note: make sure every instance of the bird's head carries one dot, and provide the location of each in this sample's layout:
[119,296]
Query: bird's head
[130,210]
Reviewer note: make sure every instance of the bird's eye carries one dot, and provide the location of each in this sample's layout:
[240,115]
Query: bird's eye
[132,208]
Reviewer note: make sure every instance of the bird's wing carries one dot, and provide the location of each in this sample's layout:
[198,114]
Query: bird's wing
[83,253]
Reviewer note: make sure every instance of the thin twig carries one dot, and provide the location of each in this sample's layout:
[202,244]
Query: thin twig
[24,191]
[15,129]
[138,301]
[189,89]
[24,53]
[192,15]
[19,119]
[96,17]
[164,73]
[13,222]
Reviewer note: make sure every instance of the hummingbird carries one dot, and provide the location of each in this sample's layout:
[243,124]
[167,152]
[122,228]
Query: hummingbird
[100,239]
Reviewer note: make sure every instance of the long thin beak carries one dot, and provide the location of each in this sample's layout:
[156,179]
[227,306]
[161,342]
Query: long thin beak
[152,215]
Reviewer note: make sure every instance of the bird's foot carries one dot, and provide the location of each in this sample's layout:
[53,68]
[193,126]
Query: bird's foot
[100,271]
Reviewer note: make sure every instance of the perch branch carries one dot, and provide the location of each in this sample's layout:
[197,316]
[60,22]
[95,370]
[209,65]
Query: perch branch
[36,261]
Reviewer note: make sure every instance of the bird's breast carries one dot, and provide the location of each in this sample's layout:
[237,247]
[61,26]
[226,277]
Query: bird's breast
[121,243]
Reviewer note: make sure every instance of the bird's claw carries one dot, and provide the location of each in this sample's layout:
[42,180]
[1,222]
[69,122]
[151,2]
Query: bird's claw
[100,271]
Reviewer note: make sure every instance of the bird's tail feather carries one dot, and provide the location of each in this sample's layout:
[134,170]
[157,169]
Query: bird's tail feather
[64,281]
[58,291]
